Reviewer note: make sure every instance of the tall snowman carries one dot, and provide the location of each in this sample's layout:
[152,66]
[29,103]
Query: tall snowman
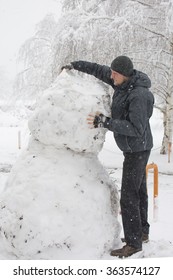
[59,202]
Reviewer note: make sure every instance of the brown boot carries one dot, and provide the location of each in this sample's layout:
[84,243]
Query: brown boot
[145,238]
[125,252]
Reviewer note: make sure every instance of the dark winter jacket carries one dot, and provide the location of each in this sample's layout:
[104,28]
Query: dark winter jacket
[131,109]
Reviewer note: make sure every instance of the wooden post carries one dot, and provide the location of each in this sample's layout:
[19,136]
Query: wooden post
[154,166]
[155,192]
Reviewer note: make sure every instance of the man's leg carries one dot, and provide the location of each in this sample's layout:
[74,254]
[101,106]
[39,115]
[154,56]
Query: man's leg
[144,205]
[133,172]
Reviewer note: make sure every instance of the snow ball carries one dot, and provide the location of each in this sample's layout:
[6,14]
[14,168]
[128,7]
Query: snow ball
[60,119]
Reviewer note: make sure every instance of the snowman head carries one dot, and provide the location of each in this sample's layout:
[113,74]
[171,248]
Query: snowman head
[60,119]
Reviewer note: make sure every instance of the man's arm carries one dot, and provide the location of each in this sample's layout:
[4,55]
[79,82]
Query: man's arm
[101,72]
[136,124]
[134,127]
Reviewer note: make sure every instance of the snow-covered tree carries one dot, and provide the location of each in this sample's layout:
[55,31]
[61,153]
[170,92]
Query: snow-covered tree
[98,30]
[167,92]
[152,50]
[6,91]
[37,53]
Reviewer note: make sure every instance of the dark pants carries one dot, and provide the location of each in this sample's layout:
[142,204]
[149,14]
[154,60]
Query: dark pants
[134,197]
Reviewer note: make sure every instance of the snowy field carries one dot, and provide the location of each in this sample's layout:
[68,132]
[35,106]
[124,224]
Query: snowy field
[160,210]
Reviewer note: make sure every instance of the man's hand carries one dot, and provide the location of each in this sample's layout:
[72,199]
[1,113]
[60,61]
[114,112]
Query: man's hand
[96,120]
[67,67]
[90,120]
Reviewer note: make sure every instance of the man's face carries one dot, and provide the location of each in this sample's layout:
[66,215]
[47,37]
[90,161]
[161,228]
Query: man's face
[118,78]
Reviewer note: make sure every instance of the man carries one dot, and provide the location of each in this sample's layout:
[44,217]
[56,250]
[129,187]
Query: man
[132,107]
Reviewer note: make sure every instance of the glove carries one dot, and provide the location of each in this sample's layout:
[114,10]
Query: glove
[99,120]
[67,67]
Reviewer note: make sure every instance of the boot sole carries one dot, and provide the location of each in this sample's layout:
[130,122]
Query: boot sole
[121,255]
[136,254]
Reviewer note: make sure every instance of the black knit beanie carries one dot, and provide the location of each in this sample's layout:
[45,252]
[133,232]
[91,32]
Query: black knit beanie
[123,65]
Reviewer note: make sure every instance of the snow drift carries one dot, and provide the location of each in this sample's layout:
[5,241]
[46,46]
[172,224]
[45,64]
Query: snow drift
[59,202]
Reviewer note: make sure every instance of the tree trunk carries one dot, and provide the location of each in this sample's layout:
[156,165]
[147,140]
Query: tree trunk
[167,124]
[170,124]
[164,147]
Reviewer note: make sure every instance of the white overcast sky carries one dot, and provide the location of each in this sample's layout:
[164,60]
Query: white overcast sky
[17,23]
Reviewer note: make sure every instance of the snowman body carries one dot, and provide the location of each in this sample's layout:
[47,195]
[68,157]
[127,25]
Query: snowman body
[59,202]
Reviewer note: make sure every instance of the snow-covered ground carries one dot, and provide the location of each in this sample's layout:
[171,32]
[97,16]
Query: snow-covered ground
[160,210]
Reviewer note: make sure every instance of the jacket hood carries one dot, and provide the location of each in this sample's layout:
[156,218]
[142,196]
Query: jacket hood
[138,78]
[141,79]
